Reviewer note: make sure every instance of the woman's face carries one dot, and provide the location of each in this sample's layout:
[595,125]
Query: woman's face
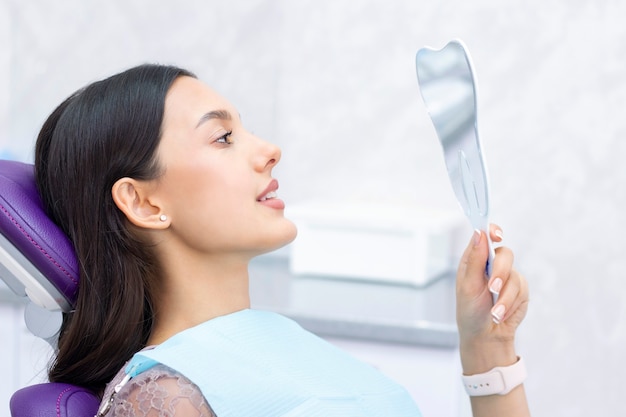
[217,188]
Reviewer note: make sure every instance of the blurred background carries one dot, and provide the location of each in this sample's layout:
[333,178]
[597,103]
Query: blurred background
[333,83]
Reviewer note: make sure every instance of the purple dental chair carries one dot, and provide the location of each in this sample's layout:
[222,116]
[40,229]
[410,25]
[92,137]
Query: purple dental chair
[37,261]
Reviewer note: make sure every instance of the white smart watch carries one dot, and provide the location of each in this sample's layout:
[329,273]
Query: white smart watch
[498,381]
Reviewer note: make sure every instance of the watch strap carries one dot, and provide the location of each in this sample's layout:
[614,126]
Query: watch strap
[500,380]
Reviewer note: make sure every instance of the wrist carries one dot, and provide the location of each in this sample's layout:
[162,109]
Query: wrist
[479,356]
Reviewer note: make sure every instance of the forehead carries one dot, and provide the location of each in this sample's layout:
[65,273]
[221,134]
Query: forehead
[188,99]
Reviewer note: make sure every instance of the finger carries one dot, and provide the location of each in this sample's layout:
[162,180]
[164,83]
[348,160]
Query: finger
[495,232]
[510,298]
[521,301]
[472,266]
[501,269]
[502,309]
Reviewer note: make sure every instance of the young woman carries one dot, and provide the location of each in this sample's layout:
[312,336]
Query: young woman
[167,198]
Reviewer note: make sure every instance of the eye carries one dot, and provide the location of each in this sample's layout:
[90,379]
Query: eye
[225,139]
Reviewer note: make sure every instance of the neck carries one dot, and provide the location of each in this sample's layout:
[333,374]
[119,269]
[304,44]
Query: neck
[196,293]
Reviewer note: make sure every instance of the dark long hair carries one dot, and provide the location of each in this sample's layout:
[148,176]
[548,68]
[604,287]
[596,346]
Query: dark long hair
[106,131]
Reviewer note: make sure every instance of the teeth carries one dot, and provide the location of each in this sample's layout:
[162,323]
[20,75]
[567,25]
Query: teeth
[269,195]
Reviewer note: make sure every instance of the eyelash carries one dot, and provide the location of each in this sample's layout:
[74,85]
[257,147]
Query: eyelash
[225,138]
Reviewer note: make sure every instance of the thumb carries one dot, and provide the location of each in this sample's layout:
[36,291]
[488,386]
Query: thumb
[471,273]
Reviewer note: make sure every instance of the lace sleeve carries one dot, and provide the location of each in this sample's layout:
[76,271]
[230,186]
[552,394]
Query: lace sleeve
[159,392]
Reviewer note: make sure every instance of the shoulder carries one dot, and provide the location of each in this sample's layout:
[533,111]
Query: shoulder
[159,391]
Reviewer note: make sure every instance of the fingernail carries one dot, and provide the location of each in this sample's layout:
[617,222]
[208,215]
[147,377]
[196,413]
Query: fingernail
[499,233]
[497,313]
[496,286]
[477,235]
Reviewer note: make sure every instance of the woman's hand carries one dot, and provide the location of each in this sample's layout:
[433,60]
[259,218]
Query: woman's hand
[487,331]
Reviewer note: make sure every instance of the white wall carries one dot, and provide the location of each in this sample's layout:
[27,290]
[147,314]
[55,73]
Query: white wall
[333,83]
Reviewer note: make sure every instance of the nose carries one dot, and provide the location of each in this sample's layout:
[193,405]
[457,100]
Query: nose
[267,155]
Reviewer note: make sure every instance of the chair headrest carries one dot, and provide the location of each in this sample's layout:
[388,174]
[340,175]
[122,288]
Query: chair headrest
[36,258]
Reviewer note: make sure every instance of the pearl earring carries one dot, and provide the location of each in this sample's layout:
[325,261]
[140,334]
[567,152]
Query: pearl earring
[163,217]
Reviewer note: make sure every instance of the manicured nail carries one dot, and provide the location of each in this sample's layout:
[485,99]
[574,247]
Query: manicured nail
[496,286]
[477,235]
[497,313]
[498,233]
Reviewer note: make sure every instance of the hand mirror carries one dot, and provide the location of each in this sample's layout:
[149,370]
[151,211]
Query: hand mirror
[447,86]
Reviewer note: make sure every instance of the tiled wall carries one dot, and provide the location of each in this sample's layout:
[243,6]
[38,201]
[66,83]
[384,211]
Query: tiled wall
[333,83]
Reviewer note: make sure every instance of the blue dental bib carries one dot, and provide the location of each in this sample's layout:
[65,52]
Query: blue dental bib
[256,364]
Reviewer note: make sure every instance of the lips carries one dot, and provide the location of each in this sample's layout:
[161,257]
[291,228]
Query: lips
[269,197]
[269,192]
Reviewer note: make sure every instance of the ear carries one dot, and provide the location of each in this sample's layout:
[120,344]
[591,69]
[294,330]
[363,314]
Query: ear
[133,198]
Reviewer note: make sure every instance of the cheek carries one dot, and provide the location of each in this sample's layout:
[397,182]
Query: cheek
[208,198]
[206,192]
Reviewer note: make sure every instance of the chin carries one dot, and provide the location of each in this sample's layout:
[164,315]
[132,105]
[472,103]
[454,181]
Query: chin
[285,236]
[290,235]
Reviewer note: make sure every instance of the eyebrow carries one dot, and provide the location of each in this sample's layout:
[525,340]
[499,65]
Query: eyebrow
[215,114]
